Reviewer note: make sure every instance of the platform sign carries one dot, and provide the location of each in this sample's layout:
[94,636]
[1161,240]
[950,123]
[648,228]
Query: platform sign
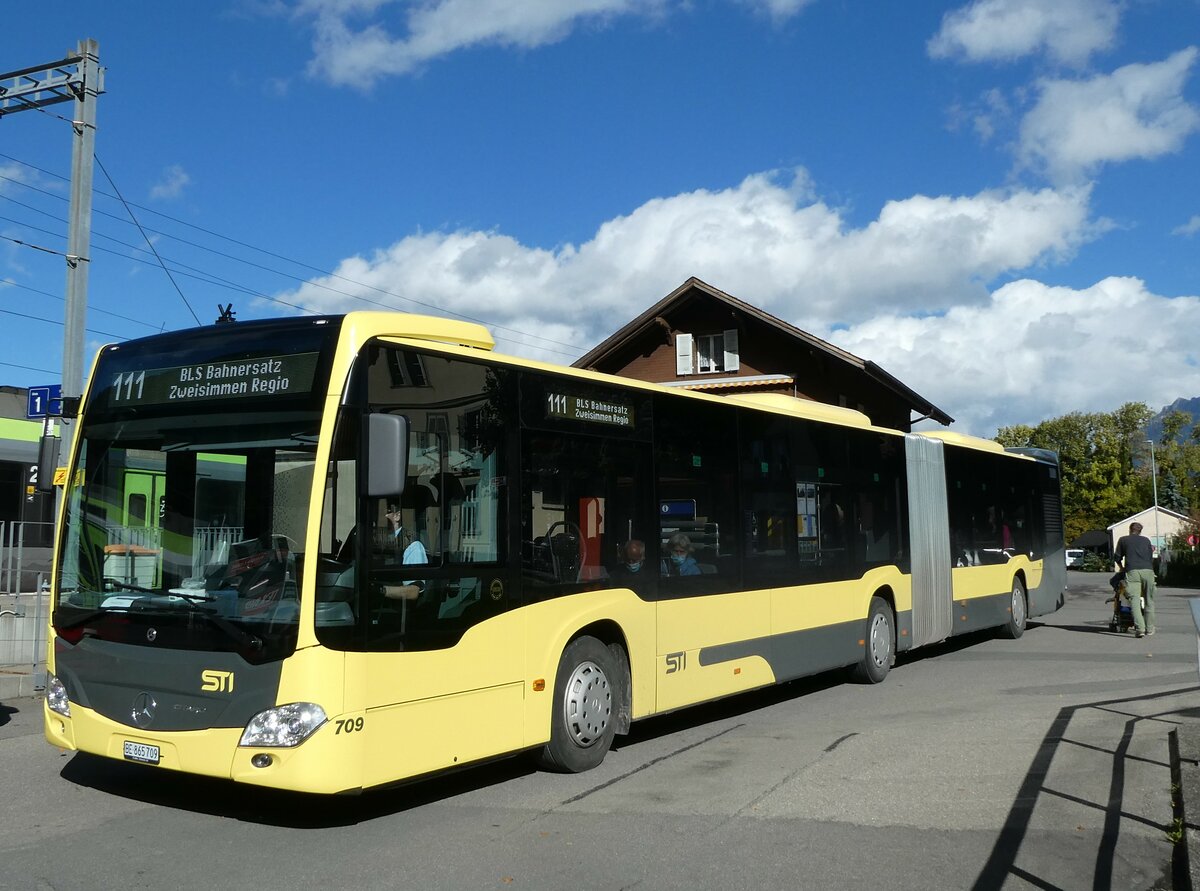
[45,402]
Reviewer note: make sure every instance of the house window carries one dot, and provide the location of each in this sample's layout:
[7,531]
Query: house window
[710,352]
[706,353]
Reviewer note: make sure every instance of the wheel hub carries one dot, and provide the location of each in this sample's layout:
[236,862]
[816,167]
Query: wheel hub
[588,704]
[1018,606]
[881,641]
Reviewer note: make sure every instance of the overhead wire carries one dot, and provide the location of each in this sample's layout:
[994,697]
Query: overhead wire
[31,368]
[8,283]
[333,275]
[177,268]
[179,290]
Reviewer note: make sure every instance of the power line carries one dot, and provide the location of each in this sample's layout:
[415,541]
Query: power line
[147,237]
[31,368]
[496,326]
[38,247]
[9,283]
[22,315]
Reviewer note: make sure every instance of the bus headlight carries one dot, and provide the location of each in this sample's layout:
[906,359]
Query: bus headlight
[284,725]
[56,696]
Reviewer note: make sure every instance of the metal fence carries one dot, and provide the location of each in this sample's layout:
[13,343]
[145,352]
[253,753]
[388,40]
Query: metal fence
[25,558]
[24,555]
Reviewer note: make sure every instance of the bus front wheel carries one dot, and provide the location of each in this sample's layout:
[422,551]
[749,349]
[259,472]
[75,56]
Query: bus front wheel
[583,715]
[879,650]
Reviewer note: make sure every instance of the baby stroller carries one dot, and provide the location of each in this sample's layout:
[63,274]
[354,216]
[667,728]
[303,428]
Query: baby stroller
[1122,614]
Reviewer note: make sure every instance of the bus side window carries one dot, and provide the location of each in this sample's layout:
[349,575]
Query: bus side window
[697,497]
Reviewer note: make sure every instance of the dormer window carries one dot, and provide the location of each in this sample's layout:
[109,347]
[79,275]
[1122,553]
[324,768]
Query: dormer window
[706,353]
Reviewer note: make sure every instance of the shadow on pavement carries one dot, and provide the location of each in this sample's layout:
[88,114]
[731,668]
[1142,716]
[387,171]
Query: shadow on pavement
[299,811]
[6,713]
[1002,863]
[294,810]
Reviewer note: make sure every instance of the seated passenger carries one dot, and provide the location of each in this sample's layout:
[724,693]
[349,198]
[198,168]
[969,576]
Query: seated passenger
[633,558]
[679,559]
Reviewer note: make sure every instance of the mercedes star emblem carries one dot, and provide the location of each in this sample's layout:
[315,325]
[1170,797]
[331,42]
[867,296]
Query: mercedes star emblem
[143,709]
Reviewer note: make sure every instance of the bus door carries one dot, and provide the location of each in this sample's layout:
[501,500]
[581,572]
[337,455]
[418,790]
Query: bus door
[444,653]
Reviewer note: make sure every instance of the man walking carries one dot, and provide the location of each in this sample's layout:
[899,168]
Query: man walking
[1135,554]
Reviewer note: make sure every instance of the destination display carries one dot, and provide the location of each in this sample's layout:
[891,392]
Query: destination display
[596,411]
[200,382]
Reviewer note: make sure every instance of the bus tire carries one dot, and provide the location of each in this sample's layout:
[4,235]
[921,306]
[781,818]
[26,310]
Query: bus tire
[1018,612]
[879,650]
[583,716]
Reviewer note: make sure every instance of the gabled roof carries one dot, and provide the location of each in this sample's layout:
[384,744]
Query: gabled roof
[679,296]
[1148,513]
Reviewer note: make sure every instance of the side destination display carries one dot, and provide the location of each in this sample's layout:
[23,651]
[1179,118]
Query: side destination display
[270,376]
[579,408]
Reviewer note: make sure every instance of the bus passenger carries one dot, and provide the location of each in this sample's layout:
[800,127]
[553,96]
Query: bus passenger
[679,559]
[633,558]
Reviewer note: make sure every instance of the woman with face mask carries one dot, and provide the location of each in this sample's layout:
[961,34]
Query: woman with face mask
[678,559]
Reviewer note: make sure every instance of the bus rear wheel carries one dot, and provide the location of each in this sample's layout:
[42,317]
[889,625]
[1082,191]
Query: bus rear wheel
[879,649]
[583,715]
[1018,612]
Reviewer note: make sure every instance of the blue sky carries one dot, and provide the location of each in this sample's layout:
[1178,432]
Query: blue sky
[998,201]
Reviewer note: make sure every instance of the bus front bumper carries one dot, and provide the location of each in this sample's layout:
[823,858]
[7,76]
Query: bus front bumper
[321,764]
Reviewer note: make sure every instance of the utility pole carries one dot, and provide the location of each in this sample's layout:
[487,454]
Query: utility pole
[1154,483]
[80,78]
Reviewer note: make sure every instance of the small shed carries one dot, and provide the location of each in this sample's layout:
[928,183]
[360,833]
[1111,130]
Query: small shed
[1160,528]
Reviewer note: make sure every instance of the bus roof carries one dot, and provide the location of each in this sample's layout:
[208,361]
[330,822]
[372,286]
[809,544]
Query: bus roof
[967,441]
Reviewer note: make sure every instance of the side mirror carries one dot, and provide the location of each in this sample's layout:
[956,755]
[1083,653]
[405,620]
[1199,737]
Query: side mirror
[387,455]
[47,462]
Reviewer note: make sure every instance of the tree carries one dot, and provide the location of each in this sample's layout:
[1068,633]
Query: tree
[1170,495]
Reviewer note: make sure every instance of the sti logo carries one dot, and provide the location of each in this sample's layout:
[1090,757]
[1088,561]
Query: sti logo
[216,681]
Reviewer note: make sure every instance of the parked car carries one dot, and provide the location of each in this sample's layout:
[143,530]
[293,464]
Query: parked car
[1075,557]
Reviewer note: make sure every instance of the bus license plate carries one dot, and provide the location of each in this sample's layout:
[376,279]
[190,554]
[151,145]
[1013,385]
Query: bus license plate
[141,752]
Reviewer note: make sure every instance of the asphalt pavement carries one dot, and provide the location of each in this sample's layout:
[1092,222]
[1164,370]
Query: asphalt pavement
[1066,759]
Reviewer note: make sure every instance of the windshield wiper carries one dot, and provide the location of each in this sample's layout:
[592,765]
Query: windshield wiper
[191,601]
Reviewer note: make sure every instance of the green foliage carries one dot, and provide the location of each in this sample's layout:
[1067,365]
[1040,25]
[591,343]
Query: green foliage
[1170,493]
[1093,563]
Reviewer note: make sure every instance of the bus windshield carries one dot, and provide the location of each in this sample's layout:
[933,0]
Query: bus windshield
[188,504]
[193,531]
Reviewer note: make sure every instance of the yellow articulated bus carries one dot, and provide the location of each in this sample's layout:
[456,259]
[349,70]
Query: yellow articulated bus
[383,551]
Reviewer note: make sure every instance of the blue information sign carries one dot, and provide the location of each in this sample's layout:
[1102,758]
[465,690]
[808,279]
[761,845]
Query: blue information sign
[677,509]
[45,402]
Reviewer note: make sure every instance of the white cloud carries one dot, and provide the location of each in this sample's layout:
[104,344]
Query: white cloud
[358,42]
[1035,351]
[1138,111]
[11,174]
[767,241]
[778,10]
[171,185]
[359,55]
[1191,227]
[1003,30]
